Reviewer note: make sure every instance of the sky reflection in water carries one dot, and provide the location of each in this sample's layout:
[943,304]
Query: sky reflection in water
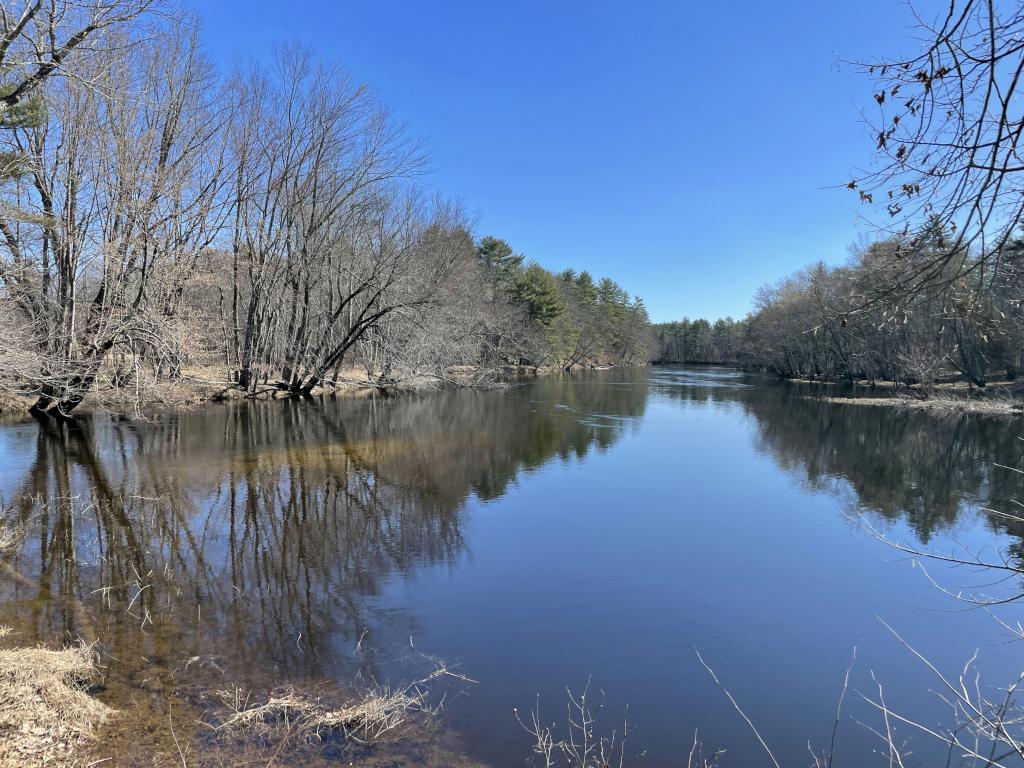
[601,525]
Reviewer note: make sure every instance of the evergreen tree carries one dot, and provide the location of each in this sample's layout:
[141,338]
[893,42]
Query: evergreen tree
[537,290]
[586,289]
[498,259]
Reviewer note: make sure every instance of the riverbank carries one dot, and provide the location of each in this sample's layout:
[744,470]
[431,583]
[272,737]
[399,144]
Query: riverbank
[948,384]
[58,708]
[949,397]
[199,386]
[13,405]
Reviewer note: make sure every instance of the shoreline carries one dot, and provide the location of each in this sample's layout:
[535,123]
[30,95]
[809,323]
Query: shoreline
[999,398]
[195,390]
[1002,397]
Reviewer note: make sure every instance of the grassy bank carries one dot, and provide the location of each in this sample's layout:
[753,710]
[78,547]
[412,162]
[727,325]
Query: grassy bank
[58,708]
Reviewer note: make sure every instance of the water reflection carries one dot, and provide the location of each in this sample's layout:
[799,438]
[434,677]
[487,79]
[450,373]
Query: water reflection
[261,538]
[262,532]
[899,464]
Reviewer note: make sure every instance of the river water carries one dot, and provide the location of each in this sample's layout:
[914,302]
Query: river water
[604,526]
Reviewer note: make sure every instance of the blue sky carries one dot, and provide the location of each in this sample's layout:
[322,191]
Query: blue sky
[682,148]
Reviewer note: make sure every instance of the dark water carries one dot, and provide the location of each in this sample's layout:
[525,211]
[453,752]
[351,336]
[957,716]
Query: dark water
[596,527]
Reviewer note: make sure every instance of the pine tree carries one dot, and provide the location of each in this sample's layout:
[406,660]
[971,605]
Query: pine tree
[499,260]
[537,290]
[586,289]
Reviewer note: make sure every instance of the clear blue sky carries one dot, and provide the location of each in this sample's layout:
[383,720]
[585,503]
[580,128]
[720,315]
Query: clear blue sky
[681,148]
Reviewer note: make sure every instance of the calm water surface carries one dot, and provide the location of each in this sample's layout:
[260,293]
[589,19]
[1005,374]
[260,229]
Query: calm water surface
[601,526]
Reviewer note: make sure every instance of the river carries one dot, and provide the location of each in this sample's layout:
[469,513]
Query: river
[604,526]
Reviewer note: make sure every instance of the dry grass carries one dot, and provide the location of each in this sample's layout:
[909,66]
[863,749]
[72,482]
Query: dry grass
[939,403]
[45,712]
[581,743]
[11,538]
[379,713]
[14,406]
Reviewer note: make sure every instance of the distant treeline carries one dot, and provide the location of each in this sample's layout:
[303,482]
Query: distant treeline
[841,322]
[563,320]
[700,341]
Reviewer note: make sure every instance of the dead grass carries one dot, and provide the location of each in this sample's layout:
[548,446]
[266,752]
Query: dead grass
[10,539]
[14,406]
[45,712]
[380,713]
[942,403]
[12,536]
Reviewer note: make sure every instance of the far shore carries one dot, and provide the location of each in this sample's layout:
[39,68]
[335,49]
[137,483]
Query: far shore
[1000,397]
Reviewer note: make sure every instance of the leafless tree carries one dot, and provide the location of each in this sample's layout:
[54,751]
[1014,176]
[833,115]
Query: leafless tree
[42,39]
[156,216]
[322,229]
[118,204]
[947,133]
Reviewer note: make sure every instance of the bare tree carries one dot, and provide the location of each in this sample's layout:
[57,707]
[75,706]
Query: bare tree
[947,134]
[41,39]
[329,240]
[121,199]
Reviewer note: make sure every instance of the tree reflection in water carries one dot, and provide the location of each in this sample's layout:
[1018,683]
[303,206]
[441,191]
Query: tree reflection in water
[253,542]
[250,541]
[899,464]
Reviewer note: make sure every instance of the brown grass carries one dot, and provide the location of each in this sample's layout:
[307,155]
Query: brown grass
[45,712]
[14,406]
[10,538]
[938,403]
[380,713]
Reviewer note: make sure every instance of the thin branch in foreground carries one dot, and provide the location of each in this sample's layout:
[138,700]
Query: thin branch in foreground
[736,705]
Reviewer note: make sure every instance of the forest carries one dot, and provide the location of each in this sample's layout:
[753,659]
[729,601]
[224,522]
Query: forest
[936,292]
[835,322]
[270,227]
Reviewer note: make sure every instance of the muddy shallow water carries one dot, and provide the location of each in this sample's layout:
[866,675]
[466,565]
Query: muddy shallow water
[600,526]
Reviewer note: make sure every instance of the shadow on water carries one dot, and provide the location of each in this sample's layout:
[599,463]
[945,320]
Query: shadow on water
[249,544]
